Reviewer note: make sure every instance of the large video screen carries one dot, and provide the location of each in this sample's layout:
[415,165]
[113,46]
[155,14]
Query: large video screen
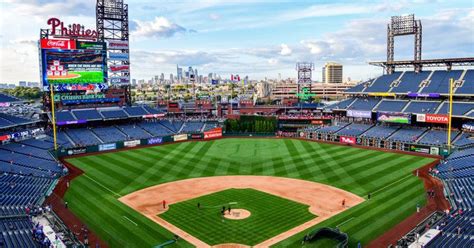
[73,66]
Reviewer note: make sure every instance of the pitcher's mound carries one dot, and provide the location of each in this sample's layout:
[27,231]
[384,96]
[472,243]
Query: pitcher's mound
[237,214]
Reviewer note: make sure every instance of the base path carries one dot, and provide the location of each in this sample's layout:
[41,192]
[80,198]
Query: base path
[324,201]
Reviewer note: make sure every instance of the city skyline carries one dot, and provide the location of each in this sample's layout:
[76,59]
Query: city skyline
[244,37]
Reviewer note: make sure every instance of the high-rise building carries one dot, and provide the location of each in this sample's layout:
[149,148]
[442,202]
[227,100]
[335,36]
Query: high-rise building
[179,74]
[332,73]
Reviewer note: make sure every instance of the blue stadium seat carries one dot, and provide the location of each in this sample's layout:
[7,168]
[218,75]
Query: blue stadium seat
[380,132]
[135,111]
[391,106]
[439,81]
[90,114]
[407,134]
[364,104]
[410,82]
[382,83]
[459,108]
[437,137]
[109,134]
[134,132]
[467,87]
[114,114]
[422,107]
[192,127]
[353,129]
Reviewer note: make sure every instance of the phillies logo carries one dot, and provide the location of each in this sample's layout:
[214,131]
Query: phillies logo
[72,30]
[348,140]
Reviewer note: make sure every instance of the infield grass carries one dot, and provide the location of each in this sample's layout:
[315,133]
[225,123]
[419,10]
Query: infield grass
[270,216]
[395,191]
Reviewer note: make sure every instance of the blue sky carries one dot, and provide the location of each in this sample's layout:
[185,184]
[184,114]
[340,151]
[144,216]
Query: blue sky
[258,38]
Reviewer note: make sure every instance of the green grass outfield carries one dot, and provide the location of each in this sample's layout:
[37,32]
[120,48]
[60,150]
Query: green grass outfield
[395,192]
[270,216]
[85,77]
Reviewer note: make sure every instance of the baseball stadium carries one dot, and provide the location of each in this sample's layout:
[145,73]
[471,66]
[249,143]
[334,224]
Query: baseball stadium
[389,165]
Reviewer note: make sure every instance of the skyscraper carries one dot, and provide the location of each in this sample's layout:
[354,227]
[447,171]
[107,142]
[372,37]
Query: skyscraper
[332,73]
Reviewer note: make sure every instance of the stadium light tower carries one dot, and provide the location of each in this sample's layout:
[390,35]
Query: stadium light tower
[112,27]
[400,26]
[304,74]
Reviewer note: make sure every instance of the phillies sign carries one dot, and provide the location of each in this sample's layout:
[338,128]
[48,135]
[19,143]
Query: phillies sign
[347,140]
[57,44]
[72,30]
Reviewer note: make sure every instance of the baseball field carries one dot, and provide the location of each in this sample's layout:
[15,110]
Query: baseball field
[119,196]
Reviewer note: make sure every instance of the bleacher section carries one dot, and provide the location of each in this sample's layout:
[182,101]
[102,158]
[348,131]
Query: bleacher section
[114,114]
[468,86]
[135,111]
[156,129]
[410,82]
[7,121]
[437,137]
[407,134]
[333,128]
[422,107]
[82,137]
[109,134]
[382,83]
[17,232]
[439,82]
[364,104]
[380,132]
[192,127]
[340,105]
[353,129]
[17,192]
[134,132]
[464,139]
[391,106]
[90,115]
[459,108]
[64,116]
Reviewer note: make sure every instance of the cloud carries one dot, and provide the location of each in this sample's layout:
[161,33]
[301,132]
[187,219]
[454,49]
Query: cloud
[214,16]
[45,8]
[273,61]
[285,50]
[160,27]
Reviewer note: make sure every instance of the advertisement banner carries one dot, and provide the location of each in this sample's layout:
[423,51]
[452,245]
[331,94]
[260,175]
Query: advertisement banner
[436,118]
[430,95]
[107,147]
[62,123]
[381,94]
[434,150]
[213,133]
[119,80]
[153,141]
[119,56]
[420,117]
[394,117]
[131,143]
[119,68]
[421,149]
[180,137]
[468,126]
[196,136]
[76,151]
[117,44]
[359,113]
[347,140]
[77,87]
[90,45]
[4,137]
[4,104]
[57,44]
[151,116]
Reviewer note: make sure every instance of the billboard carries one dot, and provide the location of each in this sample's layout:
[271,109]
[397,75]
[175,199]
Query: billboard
[107,147]
[347,140]
[62,123]
[213,133]
[431,95]
[73,66]
[77,87]
[421,149]
[131,143]
[153,141]
[57,44]
[180,137]
[119,68]
[117,44]
[118,56]
[401,118]
[88,45]
[359,113]
[432,118]
[119,80]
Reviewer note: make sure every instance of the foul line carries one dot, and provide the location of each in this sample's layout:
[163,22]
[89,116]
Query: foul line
[103,186]
[401,179]
[130,220]
[345,222]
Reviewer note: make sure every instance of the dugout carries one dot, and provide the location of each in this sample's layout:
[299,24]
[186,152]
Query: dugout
[341,238]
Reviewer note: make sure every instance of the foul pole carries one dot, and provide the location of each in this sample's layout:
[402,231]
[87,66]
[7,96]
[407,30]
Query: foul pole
[53,116]
[451,83]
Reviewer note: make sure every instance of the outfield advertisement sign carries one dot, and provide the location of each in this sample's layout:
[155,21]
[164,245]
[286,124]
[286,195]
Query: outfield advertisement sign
[180,137]
[347,140]
[213,133]
[117,44]
[430,95]
[62,123]
[359,113]
[119,56]
[119,68]
[107,147]
[420,149]
[468,126]
[57,44]
[131,143]
[76,151]
[90,45]
[153,141]
[401,118]
[432,118]
[196,136]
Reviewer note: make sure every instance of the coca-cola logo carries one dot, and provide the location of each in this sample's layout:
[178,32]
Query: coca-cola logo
[73,30]
[60,43]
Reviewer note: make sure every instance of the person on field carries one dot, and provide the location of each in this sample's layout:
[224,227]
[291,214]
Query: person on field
[368,196]
[343,202]
[228,209]
[199,205]
[164,204]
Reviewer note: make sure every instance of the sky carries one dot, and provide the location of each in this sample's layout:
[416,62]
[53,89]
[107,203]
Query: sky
[258,38]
